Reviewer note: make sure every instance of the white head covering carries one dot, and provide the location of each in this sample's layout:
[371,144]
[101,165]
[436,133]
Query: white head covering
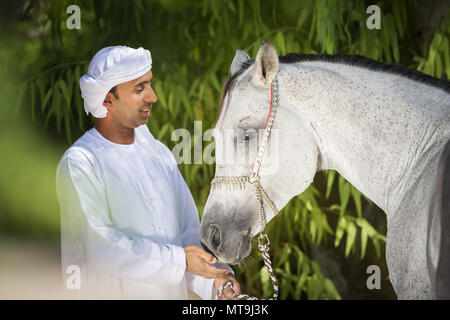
[110,67]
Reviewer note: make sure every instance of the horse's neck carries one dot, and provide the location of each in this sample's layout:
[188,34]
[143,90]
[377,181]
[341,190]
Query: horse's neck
[376,129]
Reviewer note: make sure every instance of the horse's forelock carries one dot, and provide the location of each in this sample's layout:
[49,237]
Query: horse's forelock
[230,83]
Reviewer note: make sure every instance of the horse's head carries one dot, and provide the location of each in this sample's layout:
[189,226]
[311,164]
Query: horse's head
[230,218]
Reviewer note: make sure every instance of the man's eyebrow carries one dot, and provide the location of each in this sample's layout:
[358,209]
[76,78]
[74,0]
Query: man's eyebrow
[142,83]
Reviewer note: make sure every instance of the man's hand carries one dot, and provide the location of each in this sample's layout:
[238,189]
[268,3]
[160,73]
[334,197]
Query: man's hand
[198,262]
[227,292]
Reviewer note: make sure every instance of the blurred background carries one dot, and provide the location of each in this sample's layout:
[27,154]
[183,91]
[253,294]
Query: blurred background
[323,240]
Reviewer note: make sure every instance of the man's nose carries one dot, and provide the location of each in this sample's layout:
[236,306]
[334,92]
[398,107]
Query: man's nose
[150,96]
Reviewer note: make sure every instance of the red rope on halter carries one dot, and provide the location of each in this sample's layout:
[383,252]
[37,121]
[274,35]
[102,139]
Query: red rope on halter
[265,126]
[270,110]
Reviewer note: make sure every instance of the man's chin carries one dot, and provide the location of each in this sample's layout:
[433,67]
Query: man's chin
[144,117]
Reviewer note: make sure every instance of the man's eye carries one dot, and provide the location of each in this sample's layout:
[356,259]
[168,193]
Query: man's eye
[139,90]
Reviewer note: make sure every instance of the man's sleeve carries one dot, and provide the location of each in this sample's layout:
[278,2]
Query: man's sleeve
[190,223]
[89,228]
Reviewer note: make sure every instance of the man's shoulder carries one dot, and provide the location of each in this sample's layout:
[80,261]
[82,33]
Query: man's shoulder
[81,151]
[76,159]
[164,151]
[166,154]
[78,154]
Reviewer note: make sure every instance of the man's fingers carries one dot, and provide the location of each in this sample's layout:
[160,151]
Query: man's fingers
[228,292]
[199,251]
[207,257]
[236,286]
[214,272]
[217,272]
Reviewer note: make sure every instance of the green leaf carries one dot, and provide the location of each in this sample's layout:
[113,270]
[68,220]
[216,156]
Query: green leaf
[368,231]
[438,71]
[285,253]
[302,18]
[351,234]
[280,43]
[46,99]
[313,229]
[214,82]
[185,101]
[376,244]
[331,290]
[330,179]
[41,83]
[446,46]
[432,53]
[170,103]
[300,285]
[265,280]
[161,95]
[341,226]
[47,118]
[285,289]
[195,169]
[357,199]
[67,127]
[56,109]
[241,12]
[33,103]
[176,102]
[363,241]
[163,131]
[344,193]
[65,90]
[20,97]
[315,288]
[79,105]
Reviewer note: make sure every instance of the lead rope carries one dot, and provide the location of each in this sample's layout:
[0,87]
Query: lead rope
[264,249]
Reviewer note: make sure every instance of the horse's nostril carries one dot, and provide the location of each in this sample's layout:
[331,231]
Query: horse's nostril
[207,249]
[215,236]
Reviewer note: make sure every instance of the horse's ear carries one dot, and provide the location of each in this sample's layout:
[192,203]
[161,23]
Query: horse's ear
[238,61]
[266,63]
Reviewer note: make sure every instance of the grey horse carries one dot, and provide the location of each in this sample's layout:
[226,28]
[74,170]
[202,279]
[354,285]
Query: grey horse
[384,128]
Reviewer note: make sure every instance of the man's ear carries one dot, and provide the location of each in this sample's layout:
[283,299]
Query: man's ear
[108,100]
[266,64]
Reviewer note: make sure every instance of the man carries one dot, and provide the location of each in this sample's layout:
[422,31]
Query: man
[129,225]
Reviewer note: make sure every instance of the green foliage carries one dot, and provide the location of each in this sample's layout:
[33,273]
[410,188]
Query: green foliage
[437,61]
[27,174]
[192,45]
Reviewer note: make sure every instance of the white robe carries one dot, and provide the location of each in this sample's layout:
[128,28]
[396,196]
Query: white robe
[126,214]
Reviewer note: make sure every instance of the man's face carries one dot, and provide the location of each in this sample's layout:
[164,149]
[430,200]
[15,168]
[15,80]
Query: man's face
[132,107]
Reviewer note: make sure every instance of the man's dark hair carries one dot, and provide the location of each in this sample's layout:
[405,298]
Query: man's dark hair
[114,92]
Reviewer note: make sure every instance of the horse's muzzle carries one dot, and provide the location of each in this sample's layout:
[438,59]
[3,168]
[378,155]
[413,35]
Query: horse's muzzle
[205,247]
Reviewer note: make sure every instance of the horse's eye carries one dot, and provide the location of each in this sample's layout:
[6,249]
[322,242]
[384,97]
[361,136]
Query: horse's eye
[247,135]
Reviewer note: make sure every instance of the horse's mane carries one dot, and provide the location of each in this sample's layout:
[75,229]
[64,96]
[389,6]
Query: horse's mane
[354,60]
[373,65]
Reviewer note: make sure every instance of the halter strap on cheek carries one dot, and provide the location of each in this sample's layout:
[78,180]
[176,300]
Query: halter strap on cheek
[265,137]
[261,195]
[253,177]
